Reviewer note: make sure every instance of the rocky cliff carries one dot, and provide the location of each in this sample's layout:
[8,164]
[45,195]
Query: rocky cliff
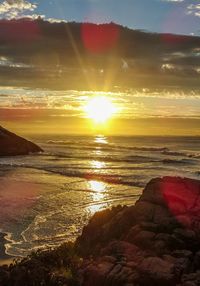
[154,242]
[12,145]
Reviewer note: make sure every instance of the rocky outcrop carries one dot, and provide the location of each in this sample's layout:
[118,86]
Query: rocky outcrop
[155,242]
[12,145]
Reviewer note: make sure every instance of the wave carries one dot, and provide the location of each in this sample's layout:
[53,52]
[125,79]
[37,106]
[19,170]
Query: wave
[174,153]
[194,156]
[179,162]
[108,178]
[105,146]
[150,149]
[92,146]
[181,154]
[103,157]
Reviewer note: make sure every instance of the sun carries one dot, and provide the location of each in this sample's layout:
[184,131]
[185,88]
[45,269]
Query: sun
[100,109]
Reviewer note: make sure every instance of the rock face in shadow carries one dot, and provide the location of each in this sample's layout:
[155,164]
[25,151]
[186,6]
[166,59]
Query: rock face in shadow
[155,242]
[12,145]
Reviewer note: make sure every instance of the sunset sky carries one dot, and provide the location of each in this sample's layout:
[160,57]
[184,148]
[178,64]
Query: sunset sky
[163,92]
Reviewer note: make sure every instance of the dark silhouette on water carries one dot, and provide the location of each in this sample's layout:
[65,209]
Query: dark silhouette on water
[13,145]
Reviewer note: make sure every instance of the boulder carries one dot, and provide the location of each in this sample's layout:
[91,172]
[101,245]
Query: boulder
[12,145]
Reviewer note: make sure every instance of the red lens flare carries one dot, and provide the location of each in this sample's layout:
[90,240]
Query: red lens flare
[182,199]
[16,198]
[100,38]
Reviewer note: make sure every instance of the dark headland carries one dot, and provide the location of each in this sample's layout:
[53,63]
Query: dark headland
[13,145]
[154,242]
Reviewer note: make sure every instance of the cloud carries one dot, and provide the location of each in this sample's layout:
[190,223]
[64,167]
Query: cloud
[13,8]
[173,1]
[48,53]
[194,9]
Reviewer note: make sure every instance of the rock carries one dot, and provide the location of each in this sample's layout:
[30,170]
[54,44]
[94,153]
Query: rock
[153,244]
[160,248]
[197,261]
[185,234]
[176,243]
[191,279]
[189,283]
[183,253]
[185,220]
[182,266]
[119,271]
[150,226]
[144,211]
[4,276]
[143,238]
[152,193]
[162,216]
[100,230]
[12,145]
[156,271]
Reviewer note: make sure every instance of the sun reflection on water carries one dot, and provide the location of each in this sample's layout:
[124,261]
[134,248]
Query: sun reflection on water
[98,164]
[98,190]
[95,164]
[98,152]
[101,139]
[95,208]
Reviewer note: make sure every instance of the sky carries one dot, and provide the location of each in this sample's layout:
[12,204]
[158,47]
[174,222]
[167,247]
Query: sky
[175,16]
[138,112]
[160,77]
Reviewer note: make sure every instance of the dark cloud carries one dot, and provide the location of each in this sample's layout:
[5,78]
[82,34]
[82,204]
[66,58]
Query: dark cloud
[58,55]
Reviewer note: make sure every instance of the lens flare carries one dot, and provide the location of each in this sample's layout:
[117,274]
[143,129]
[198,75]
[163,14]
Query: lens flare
[100,38]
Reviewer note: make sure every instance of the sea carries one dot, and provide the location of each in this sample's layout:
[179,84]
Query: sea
[47,198]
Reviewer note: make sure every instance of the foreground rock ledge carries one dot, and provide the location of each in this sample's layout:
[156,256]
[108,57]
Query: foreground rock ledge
[155,242]
[12,145]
